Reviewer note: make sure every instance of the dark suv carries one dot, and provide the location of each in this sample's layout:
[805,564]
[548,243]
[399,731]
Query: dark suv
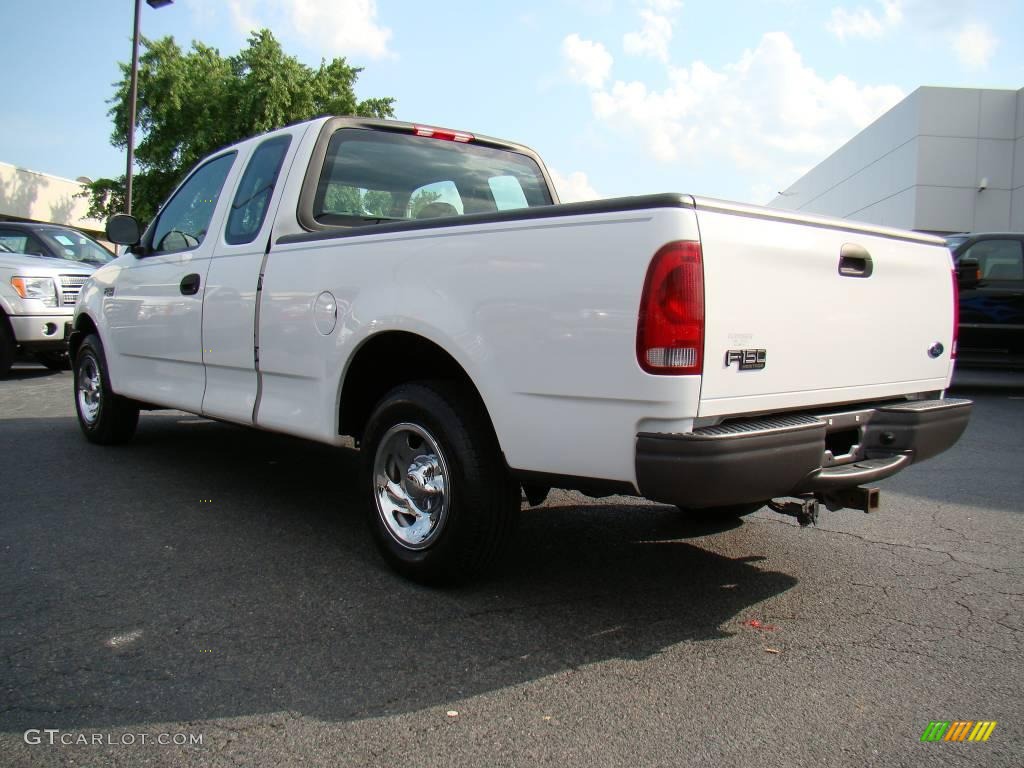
[54,241]
[990,266]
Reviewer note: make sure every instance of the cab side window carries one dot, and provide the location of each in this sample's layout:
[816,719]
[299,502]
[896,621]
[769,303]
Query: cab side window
[998,260]
[252,199]
[183,222]
[507,192]
[441,198]
[22,242]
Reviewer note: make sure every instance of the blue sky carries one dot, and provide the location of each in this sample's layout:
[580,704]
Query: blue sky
[728,99]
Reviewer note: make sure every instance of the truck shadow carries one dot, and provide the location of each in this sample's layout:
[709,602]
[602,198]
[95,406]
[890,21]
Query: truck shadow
[208,571]
[26,371]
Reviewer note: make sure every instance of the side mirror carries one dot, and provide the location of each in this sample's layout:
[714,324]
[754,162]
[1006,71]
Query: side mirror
[968,273]
[123,229]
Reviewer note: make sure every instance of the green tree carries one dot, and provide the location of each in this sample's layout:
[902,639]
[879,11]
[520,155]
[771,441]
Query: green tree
[191,103]
[346,199]
[343,198]
[377,204]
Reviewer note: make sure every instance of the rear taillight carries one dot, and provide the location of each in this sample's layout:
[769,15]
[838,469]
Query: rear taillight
[431,132]
[956,314]
[670,331]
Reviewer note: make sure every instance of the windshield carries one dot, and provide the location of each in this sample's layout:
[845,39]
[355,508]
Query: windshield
[76,246]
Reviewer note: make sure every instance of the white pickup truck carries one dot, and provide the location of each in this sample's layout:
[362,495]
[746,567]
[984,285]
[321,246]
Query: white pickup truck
[421,290]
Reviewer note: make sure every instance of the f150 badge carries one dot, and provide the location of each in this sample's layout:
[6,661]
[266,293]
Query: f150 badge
[748,359]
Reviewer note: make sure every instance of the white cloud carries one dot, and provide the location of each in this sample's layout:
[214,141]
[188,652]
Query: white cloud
[762,193]
[588,62]
[332,27]
[863,22]
[653,39]
[656,33]
[766,114]
[573,188]
[974,46]
[241,17]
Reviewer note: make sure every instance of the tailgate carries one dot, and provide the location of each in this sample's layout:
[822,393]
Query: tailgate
[773,281]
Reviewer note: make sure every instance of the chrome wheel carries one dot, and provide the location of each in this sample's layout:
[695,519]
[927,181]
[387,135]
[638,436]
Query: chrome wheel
[411,485]
[90,389]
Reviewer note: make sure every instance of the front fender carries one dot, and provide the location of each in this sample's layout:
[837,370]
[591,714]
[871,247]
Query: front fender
[10,301]
[89,313]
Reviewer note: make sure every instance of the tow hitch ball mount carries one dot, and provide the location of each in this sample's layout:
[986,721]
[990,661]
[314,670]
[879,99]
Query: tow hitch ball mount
[805,508]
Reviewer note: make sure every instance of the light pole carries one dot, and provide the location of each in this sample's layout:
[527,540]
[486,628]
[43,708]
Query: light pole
[133,92]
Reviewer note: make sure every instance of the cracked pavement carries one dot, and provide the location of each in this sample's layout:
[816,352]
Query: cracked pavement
[213,581]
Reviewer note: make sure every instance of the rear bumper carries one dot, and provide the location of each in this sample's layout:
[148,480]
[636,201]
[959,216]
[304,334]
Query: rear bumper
[760,459]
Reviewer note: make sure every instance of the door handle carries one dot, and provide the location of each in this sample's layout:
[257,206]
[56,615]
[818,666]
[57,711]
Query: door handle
[855,261]
[189,285]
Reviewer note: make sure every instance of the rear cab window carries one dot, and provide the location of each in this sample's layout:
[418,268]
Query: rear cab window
[370,177]
[508,193]
[441,197]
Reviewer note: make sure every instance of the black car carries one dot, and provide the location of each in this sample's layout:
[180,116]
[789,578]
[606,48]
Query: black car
[990,269]
[53,240]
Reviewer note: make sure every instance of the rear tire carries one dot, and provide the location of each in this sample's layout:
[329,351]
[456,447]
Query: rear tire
[7,347]
[441,503]
[105,418]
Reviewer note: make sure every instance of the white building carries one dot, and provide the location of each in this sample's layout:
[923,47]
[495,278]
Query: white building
[31,196]
[942,160]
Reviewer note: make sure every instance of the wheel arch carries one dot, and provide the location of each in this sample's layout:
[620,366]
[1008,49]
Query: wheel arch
[6,323]
[84,325]
[371,374]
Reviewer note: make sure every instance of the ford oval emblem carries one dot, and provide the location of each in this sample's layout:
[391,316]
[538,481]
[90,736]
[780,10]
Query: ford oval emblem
[936,350]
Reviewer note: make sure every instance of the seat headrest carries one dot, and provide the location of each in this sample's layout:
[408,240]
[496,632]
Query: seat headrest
[437,210]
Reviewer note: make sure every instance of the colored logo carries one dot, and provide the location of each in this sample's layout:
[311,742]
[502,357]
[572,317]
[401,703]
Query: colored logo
[958,730]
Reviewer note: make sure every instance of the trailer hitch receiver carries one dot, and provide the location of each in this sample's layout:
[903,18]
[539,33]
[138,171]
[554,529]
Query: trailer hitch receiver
[864,499]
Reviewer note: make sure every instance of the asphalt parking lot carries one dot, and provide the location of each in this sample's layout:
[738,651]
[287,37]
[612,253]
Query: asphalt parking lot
[216,582]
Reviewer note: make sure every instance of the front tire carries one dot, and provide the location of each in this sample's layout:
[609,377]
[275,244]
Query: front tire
[105,418]
[441,504]
[8,347]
